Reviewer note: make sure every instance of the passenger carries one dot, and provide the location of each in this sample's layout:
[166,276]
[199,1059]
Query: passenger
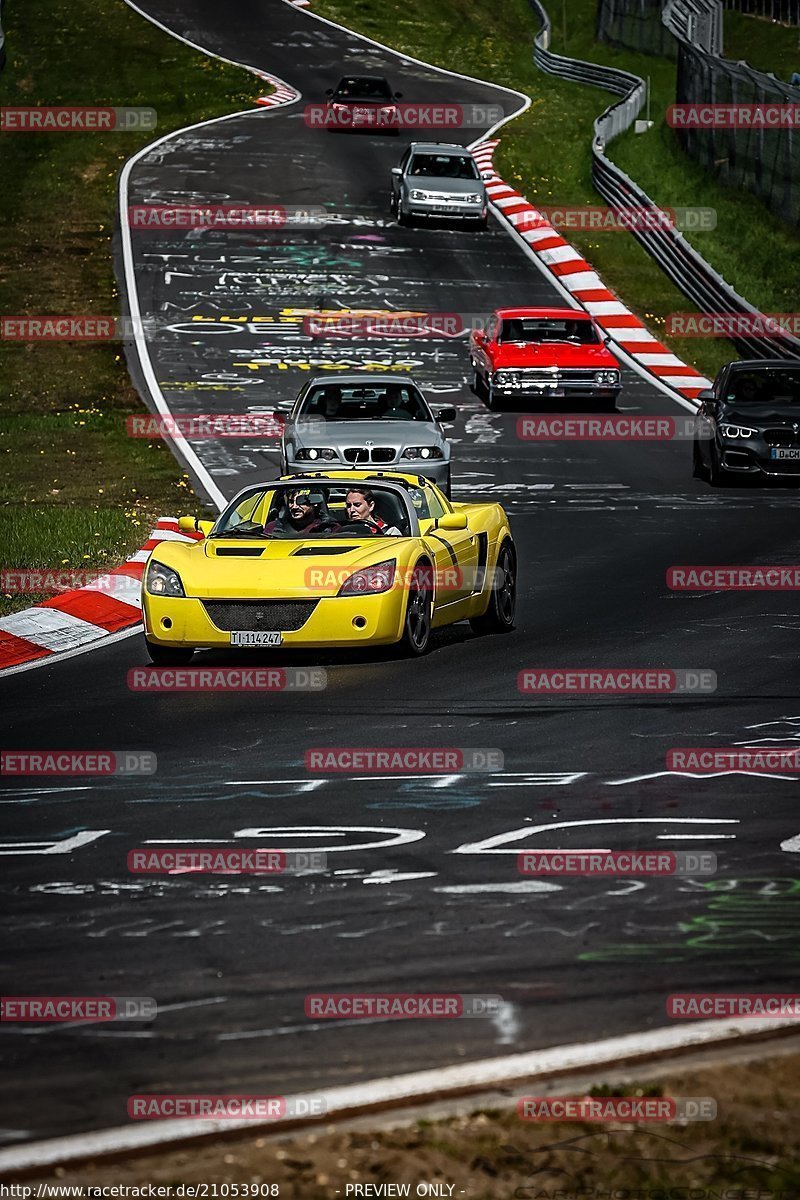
[298,516]
[360,506]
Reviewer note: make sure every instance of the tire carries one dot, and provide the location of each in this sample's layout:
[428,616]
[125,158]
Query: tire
[402,216]
[417,625]
[169,656]
[477,386]
[482,222]
[699,469]
[499,616]
[489,398]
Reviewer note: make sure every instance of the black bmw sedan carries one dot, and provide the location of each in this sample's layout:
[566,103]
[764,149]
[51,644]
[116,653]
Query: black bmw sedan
[748,423]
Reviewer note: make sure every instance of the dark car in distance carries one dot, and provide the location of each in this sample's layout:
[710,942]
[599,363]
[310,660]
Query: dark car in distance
[748,423]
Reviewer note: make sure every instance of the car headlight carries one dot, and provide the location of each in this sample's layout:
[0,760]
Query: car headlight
[737,431]
[370,581]
[474,199]
[606,378]
[163,581]
[504,378]
[422,452]
[312,453]
[416,194]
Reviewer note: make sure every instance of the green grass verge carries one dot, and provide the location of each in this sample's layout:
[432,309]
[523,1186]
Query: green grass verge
[762,43]
[77,491]
[545,153]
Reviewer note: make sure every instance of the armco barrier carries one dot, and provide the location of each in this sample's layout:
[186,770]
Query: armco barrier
[785,11]
[696,278]
[765,162]
[698,22]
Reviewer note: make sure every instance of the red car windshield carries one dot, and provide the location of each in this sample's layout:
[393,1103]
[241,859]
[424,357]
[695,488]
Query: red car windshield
[539,329]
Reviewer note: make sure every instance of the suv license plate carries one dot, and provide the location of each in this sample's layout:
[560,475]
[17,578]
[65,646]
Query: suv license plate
[256,637]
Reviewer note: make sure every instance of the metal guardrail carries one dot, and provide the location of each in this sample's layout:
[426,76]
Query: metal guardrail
[785,11]
[696,21]
[696,278]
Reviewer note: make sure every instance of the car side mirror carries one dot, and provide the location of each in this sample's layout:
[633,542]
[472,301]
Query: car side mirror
[448,413]
[397,171]
[487,175]
[452,522]
[706,396]
[194,525]
[328,91]
[398,95]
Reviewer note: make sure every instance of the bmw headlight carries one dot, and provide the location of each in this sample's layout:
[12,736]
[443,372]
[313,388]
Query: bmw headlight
[163,581]
[422,452]
[737,431]
[606,378]
[314,453]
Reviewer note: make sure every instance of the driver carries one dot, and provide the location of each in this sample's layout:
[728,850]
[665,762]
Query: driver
[360,506]
[299,515]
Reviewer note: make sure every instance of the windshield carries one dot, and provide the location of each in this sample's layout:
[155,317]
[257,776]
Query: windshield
[342,402]
[444,166]
[768,386]
[363,89]
[317,510]
[530,329]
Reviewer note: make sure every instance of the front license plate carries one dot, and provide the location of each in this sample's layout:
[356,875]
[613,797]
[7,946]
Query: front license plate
[256,637]
[784,452]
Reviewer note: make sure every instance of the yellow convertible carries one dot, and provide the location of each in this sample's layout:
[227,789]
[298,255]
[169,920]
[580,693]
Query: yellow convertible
[331,559]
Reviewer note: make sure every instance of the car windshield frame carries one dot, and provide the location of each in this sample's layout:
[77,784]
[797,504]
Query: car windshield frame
[766,391]
[310,394]
[359,81]
[260,491]
[543,327]
[475,177]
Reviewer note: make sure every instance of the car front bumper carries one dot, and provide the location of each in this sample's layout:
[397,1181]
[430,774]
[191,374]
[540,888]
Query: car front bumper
[750,456]
[185,622]
[437,470]
[563,391]
[445,209]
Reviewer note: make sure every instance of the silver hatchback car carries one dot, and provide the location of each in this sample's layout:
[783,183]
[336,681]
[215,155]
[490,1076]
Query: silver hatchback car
[435,179]
[364,421]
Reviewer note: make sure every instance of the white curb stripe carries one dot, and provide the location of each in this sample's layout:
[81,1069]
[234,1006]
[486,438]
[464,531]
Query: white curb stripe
[582,279]
[51,628]
[559,254]
[606,308]
[125,588]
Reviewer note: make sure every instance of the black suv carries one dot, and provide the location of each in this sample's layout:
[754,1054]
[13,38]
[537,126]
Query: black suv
[749,422]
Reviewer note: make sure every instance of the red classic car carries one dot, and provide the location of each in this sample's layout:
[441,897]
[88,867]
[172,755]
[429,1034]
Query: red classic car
[543,353]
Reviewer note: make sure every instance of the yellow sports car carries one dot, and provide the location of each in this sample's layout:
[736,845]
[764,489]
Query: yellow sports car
[336,558]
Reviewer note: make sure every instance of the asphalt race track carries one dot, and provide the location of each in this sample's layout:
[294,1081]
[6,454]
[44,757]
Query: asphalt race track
[230,959]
